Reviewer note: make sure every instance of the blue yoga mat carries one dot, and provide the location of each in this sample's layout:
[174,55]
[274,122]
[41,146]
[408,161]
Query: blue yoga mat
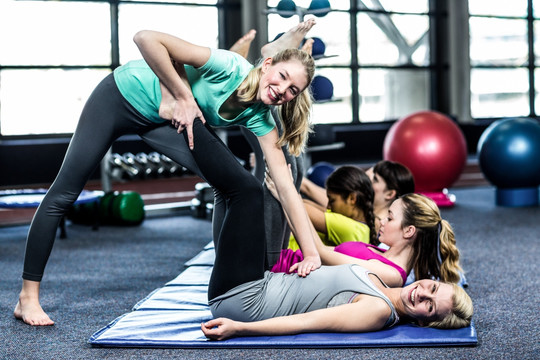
[31,198]
[170,317]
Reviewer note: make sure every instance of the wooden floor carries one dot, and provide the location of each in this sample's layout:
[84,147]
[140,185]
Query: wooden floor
[179,189]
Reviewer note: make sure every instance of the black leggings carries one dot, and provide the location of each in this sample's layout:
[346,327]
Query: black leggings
[105,117]
[240,246]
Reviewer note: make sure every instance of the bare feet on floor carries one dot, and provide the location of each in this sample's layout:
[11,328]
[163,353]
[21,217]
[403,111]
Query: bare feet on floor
[30,312]
[291,39]
[241,46]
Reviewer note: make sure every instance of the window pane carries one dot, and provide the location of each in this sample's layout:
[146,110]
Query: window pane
[409,6]
[198,25]
[54,33]
[499,92]
[498,7]
[393,39]
[339,109]
[498,41]
[536,8]
[56,98]
[537,90]
[391,94]
[537,42]
[334,31]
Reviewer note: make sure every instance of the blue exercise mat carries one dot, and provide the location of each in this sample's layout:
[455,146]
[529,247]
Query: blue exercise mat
[171,316]
[30,198]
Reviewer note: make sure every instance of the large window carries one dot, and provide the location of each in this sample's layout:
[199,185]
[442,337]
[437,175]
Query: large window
[384,58]
[377,57]
[503,51]
[53,53]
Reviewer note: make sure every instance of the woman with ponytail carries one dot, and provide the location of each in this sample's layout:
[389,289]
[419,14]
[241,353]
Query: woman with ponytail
[419,240]
[435,254]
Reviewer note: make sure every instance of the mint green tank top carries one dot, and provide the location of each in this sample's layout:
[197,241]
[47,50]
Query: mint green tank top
[211,85]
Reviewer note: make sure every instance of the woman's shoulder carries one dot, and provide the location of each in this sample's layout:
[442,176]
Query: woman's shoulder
[225,59]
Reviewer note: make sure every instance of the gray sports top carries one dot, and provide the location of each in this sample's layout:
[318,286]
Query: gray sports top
[280,294]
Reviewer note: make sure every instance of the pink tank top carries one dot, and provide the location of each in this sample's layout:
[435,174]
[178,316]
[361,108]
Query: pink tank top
[359,250]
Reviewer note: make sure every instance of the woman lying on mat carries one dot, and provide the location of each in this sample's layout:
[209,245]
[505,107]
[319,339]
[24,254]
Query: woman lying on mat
[247,300]
[419,240]
[347,212]
[216,86]
[389,180]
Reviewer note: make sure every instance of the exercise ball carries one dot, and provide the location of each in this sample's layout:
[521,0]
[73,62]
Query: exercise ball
[318,6]
[431,145]
[319,172]
[322,88]
[286,5]
[318,47]
[509,157]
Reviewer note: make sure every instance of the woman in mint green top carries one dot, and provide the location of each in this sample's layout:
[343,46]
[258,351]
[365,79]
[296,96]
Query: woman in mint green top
[157,99]
[212,84]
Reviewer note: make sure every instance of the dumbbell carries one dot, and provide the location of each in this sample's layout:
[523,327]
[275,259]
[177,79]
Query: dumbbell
[171,168]
[154,159]
[120,167]
[114,208]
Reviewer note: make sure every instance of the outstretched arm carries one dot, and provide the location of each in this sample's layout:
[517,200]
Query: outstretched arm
[387,273]
[367,314]
[291,202]
[157,50]
[317,215]
[314,192]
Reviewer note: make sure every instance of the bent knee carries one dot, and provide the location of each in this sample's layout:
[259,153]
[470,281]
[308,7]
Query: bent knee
[57,203]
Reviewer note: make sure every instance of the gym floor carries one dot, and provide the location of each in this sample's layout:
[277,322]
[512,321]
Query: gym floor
[95,276]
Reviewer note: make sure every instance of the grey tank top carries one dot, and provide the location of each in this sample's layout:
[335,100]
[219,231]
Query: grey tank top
[279,294]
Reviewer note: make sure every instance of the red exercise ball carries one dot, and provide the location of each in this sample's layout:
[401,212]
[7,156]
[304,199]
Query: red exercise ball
[431,145]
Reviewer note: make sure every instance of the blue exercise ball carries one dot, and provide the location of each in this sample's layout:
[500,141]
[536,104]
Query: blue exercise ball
[322,88]
[509,157]
[318,47]
[286,5]
[320,5]
[319,172]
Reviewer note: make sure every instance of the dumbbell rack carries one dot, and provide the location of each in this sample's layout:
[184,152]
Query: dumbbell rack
[130,167]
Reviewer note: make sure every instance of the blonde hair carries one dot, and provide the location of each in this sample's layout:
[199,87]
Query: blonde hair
[430,261]
[293,115]
[461,314]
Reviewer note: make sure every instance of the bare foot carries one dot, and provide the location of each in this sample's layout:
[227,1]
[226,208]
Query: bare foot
[28,308]
[308,46]
[31,313]
[291,39]
[241,46]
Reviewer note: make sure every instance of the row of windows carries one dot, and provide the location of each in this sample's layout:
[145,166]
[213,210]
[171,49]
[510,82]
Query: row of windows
[379,55]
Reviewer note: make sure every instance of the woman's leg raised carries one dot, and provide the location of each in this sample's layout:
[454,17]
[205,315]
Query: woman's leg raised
[240,248]
[104,118]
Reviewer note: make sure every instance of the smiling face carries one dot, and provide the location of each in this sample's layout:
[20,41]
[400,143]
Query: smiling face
[281,82]
[427,300]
